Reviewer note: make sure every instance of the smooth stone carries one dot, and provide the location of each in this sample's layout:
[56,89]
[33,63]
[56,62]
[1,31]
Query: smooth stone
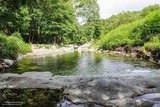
[9,62]
[151,96]
[6,66]
[104,90]
[156,105]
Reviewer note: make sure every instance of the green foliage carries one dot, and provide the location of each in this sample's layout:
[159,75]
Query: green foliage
[86,10]
[123,35]
[117,20]
[127,17]
[136,33]
[154,44]
[50,21]
[149,9]
[17,34]
[11,46]
[46,46]
[31,97]
[150,26]
[3,40]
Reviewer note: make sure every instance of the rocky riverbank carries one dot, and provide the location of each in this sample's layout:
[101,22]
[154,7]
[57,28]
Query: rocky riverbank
[53,50]
[122,91]
[134,52]
[41,50]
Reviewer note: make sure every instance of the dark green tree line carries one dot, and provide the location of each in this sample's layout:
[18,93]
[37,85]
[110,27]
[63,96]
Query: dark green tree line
[50,21]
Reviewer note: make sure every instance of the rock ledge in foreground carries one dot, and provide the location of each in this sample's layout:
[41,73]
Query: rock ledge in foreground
[108,91]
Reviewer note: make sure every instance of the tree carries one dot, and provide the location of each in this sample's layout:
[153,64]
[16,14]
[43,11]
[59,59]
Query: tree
[86,10]
[39,21]
[87,13]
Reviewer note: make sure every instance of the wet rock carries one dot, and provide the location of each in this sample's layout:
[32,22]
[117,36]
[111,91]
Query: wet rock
[104,90]
[151,99]
[156,105]
[5,66]
[151,96]
[133,54]
[8,62]
[126,102]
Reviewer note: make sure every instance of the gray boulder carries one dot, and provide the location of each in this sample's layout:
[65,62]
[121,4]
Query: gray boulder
[8,62]
[5,66]
[122,91]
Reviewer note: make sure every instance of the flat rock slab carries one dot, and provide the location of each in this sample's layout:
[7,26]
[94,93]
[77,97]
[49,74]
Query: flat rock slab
[123,91]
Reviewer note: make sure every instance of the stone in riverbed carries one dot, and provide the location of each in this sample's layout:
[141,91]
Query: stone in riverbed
[5,66]
[8,62]
[104,90]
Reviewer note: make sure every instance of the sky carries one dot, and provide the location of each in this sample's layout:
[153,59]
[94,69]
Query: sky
[113,7]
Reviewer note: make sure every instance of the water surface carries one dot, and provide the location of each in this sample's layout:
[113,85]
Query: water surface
[85,63]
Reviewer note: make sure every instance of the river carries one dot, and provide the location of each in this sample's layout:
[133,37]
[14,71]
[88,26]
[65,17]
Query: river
[86,63]
[76,64]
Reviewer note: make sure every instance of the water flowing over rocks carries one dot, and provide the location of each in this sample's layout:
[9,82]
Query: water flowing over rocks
[122,91]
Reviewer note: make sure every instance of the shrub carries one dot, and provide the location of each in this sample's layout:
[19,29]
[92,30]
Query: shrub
[150,26]
[18,35]
[154,44]
[136,33]
[121,36]
[12,46]
[3,40]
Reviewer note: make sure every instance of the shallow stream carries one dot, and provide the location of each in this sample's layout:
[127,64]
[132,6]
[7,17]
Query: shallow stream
[75,63]
[86,63]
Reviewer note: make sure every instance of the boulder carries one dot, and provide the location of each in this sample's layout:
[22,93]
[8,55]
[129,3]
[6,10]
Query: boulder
[5,66]
[9,62]
[116,91]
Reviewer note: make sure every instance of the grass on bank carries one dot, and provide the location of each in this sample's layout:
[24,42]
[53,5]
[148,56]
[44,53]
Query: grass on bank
[12,46]
[138,33]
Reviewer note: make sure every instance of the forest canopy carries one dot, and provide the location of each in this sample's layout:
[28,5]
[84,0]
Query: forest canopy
[76,22]
[51,21]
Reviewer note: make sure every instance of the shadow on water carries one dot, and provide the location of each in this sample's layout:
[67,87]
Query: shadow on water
[30,97]
[84,63]
[36,98]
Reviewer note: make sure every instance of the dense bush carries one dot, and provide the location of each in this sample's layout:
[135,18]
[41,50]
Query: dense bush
[127,17]
[154,44]
[150,26]
[136,33]
[123,35]
[11,46]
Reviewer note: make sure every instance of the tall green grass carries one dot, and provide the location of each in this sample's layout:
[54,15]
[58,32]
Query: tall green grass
[153,45]
[136,33]
[12,46]
[123,35]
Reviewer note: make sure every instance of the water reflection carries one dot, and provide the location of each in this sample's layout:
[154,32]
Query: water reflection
[85,63]
[66,103]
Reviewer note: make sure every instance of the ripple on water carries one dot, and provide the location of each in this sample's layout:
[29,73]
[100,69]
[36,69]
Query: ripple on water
[141,71]
[85,63]
[66,103]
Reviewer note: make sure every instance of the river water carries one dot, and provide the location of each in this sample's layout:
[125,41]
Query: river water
[86,63]
[76,63]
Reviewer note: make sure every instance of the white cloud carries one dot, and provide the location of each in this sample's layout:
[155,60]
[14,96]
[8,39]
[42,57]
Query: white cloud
[113,7]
